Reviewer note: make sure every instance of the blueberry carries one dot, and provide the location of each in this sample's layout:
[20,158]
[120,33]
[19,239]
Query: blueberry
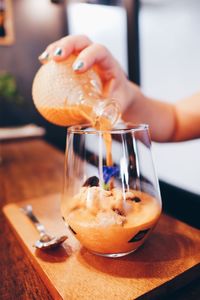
[136,199]
[91,181]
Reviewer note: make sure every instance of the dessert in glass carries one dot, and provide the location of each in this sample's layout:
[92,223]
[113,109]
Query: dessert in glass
[111,199]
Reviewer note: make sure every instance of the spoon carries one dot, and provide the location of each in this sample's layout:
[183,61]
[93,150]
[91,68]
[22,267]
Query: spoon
[46,241]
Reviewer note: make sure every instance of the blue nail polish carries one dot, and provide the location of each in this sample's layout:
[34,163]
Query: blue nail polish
[58,52]
[44,56]
[78,65]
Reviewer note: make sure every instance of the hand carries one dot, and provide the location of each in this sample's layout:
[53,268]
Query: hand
[135,106]
[89,54]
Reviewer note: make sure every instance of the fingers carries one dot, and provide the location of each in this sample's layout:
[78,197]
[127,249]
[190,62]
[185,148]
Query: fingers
[62,48]
[88,55]
[99,56]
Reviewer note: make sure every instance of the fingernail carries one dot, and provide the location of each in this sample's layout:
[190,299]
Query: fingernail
[44,56]
[78,65]
[57,52]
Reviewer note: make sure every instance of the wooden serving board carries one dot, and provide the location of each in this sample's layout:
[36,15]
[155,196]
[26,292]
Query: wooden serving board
[169,259]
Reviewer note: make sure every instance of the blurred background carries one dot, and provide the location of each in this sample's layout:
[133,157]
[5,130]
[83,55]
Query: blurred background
[156,41]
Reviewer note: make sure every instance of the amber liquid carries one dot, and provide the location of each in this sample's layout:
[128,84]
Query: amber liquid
[101,234]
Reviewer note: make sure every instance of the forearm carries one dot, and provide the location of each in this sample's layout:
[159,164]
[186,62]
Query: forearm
[168,122]
[187,113]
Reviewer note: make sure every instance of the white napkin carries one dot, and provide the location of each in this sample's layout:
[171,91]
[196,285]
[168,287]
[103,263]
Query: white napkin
[19,132]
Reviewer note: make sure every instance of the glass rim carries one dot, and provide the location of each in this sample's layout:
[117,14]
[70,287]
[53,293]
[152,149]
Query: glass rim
[87,129]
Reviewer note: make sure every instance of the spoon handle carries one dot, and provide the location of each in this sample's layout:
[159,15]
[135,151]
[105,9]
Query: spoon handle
[29,213]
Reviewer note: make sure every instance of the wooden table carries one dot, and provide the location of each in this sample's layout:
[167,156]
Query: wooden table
[32,168]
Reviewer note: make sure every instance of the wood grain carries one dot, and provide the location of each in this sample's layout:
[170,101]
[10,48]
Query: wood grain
[28,169]
[32,169]
[71,272]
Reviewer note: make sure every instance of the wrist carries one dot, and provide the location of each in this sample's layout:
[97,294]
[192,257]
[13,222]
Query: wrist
[134,97]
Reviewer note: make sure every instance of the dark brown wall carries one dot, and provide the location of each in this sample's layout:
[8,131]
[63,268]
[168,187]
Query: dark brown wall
[36,24]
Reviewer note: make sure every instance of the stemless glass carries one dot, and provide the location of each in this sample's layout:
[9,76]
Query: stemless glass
[111,199]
